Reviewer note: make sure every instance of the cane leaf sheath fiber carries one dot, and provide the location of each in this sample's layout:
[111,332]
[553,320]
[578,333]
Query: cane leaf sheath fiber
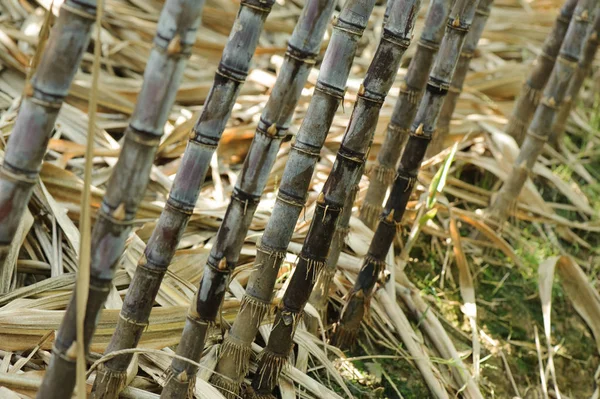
[531,91]
[302,50]
[42,101]
[176,33]
[346,170]
[555,91]
[443,126]
[382,174]
[421,133]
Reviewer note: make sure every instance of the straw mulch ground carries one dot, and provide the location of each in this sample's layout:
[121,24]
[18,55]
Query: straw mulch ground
[485,293]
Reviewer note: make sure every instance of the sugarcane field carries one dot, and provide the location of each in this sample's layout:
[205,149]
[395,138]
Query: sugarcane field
[315,199]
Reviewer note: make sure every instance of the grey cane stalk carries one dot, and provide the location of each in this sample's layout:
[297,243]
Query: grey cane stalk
[382,174]
[329,91]
[422,131]
[231,73]
[302,50]
[582,72]
[530,94]
[346,171]
[176,33]
[556,90]
[42,100]
[443,126]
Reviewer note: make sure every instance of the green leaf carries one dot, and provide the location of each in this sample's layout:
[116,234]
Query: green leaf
[439,180]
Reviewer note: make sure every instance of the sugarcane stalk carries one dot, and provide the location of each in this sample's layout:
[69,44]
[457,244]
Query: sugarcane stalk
[382,174]
[422,131]
[297,175]
[231,73]
[583,71]
[530,94]
[562,74]
[346,171]
[42,100]
[302,51]
[462,68]
[176,33]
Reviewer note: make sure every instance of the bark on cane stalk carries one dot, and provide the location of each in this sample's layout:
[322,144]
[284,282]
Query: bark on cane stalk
[462,68]
[176,33]
[329,92]
[422,131]
[582,72]
[346,171]
[42,100]
[382,174]
[550,103]
[231,73]
[529,97]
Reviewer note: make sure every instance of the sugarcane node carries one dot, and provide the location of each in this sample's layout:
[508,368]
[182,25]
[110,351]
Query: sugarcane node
[348,27]
[396,39]
[174,46]
[437,87]
[351,155]
[230,73]
[263,6]
[428,44]
[301,55]
[6,171]
[330,90]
